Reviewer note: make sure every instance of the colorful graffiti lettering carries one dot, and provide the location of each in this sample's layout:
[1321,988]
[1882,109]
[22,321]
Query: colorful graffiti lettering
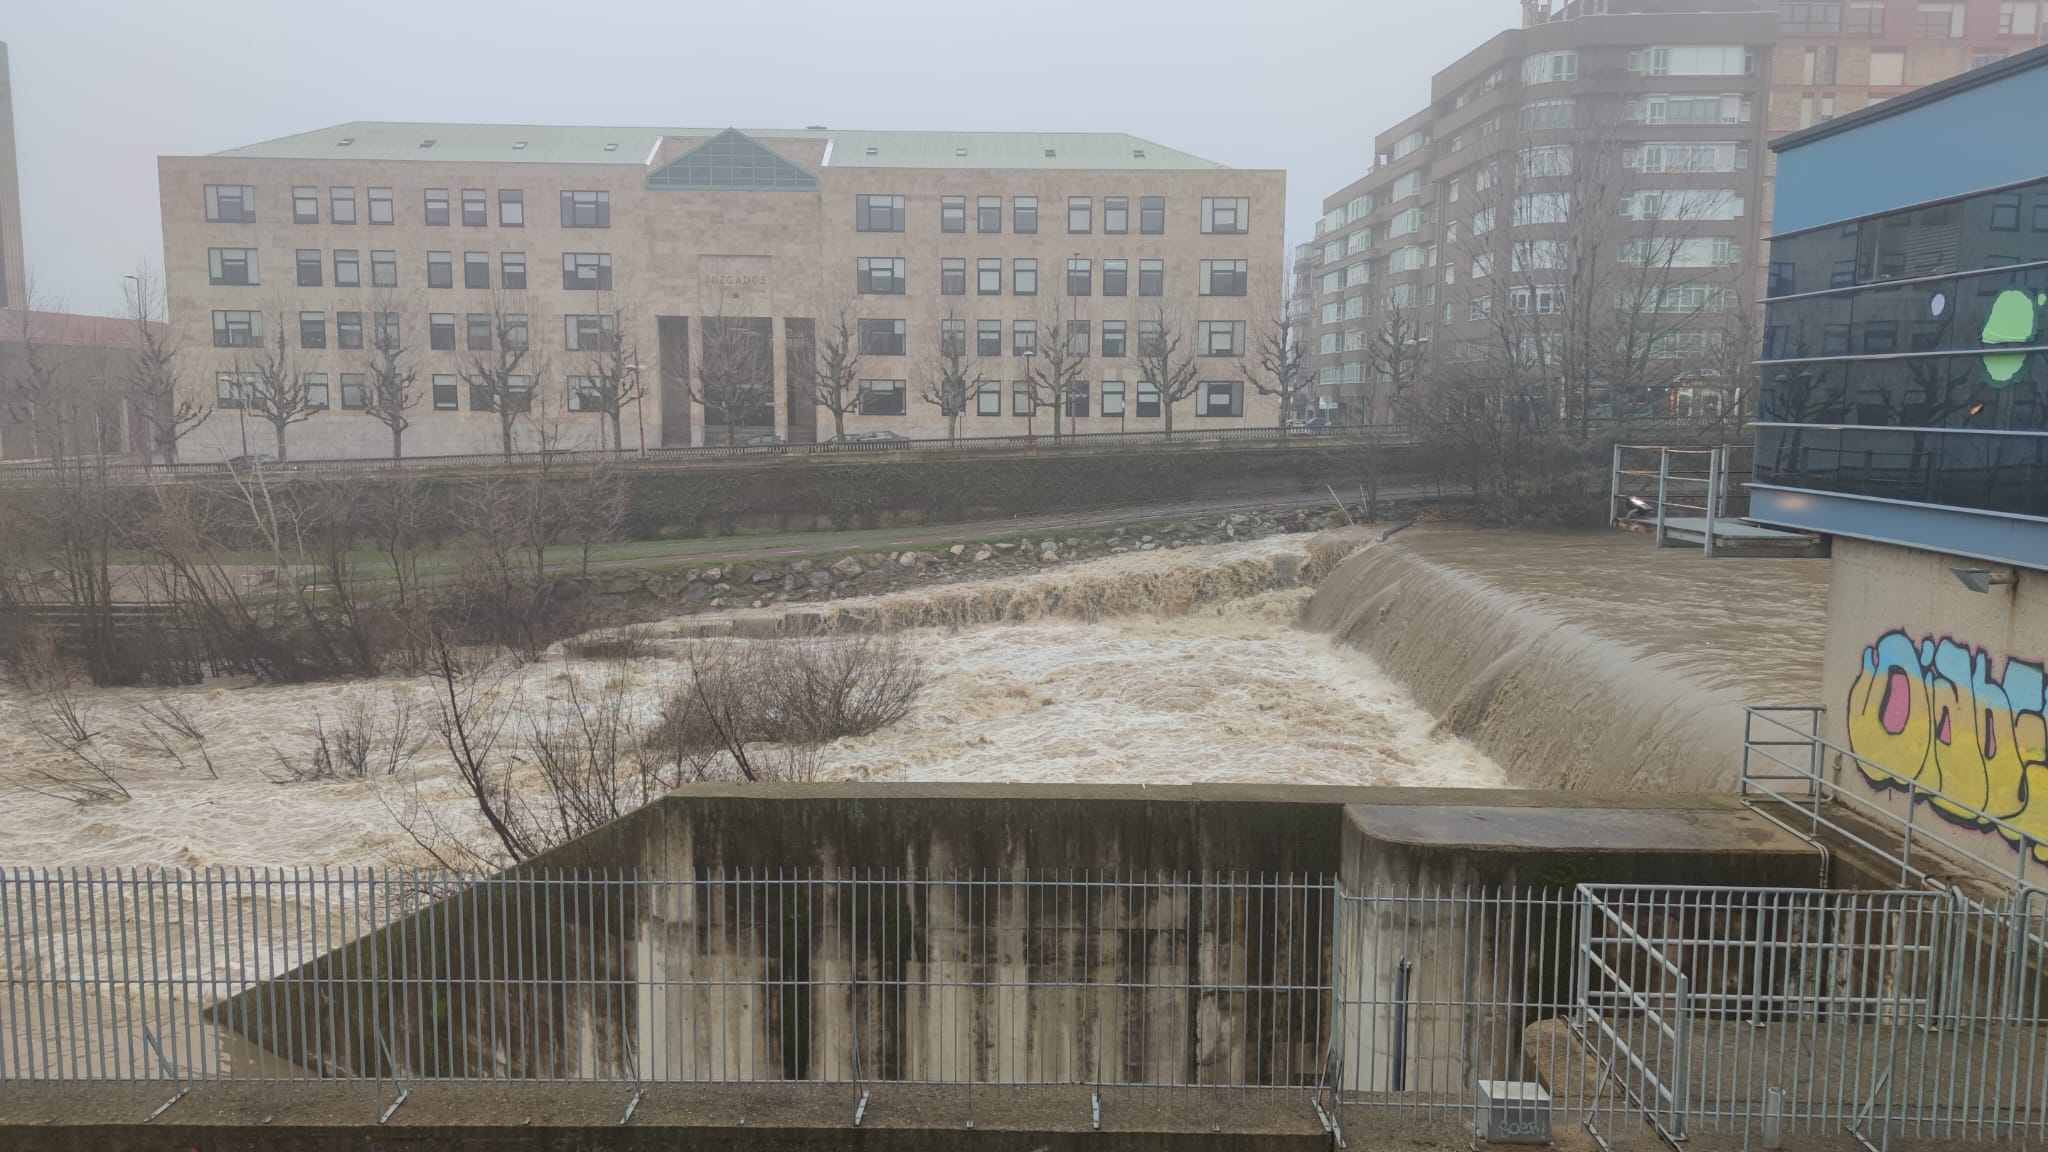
[2010,321]
[1930,714]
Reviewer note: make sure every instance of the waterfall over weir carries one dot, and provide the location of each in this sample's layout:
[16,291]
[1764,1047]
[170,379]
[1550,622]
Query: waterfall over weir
[1590,662]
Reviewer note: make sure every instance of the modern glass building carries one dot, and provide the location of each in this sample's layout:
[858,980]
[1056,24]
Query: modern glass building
[1904,389]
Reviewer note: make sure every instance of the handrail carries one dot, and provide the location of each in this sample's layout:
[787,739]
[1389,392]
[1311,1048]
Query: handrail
[1821,790]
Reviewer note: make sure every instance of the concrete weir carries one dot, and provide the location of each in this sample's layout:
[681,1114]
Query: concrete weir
[1098,1012]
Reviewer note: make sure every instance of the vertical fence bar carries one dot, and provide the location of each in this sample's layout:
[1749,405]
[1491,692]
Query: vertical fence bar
[1713,496]
[1663,490]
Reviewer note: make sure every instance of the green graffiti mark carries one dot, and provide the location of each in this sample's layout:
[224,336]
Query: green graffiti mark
[2011,322]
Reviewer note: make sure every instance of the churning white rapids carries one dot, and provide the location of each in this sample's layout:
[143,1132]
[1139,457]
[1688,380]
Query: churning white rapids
[1162,667]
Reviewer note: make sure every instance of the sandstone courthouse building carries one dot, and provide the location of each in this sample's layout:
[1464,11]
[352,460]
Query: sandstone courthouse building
[450,238]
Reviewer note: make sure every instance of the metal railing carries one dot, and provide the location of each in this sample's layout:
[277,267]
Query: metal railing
[1789,768]
[1656,483]
[1667,1011]
[1664,1010]
[844,978]
[1185,439]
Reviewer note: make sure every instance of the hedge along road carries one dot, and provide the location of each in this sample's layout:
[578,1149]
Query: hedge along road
[718,549]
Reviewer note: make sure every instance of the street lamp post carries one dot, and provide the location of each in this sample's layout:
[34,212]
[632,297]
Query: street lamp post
[639,408]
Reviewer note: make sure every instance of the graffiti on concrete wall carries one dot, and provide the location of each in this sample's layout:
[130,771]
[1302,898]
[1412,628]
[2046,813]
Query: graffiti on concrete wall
[1930,713]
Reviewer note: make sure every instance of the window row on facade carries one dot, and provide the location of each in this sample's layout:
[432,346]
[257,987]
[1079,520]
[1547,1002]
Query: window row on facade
[1940,314]
[1944,20]
[888,276]
[1998,473]
[1227,215]
[592,332]
[242,267]
[471,207]
[1985,231]
[1121,399]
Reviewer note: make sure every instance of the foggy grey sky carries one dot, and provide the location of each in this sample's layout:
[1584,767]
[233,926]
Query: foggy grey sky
[102,89]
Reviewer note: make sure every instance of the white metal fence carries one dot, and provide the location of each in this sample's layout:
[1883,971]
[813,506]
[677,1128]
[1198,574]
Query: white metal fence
[1666,1010]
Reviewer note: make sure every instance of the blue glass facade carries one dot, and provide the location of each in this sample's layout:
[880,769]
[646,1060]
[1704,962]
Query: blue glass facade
[1903,392]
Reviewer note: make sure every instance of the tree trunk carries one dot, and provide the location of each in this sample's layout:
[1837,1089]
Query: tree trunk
[397,438]
[838,421]
[281,456]
[1166,410]
[618,429]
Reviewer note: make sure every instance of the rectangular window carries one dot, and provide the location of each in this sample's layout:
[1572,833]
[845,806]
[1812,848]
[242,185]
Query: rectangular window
[1152,215]
[988,398]
[1151,277]
[476,209]
[316,391]
[584,209]
[988,338]
[1864,18]
[881,337]
[952,337]
[1116,215]
[512,331]
[446,395]
[1080,214]
[441,331]
[386,333]
[882,397]
[341,205]
[1219,338]
[440,270]
[585,333]
[1224,278]
[879,275]
[437,207]
[1550,68]
[1079,338]
[1080,277]
[586,271]
[348,329]
[1221,398]
[231,266]
[2019,19]
[476,331]
[1941,21]
[953,276]
[237,329]
[1151,340]
[878,213]
[585,394]
[353,398]
[988,214]
[511,208]
[952,213]
[1021,402]
[312,329]
[1116,277]
[1024,214]
[1226,214]
[305,205]
[1077,398]
[1113,398]
[1024,277]
[380,206]
[988,276]
[348,269]
[512,271]
[1148,400]
[476,269]
[1547,114]
[230,390]
[1112,339]
[1023,337]
[518,395]
[230,203]
[2005,211]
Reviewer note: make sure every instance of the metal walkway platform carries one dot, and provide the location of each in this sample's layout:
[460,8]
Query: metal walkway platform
[1731,537]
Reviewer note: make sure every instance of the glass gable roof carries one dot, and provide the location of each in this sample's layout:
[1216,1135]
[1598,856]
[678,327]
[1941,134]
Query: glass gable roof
[732,160]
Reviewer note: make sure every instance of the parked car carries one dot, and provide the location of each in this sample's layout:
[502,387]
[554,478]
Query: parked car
[763,443]
[1313,426]
[255,462]
[876,441]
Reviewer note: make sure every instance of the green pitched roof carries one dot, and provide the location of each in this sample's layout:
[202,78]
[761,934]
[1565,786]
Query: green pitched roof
[547,144]
[732,160]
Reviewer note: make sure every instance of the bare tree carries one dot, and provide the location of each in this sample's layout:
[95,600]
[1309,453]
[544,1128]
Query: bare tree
[152,379]
[391,373]
[271,386]
[612,373]
[38,391]
[735,372]
[504,378]
[835,386]
[1167,357]
[1281,369]
[1057,362]
[946,376]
